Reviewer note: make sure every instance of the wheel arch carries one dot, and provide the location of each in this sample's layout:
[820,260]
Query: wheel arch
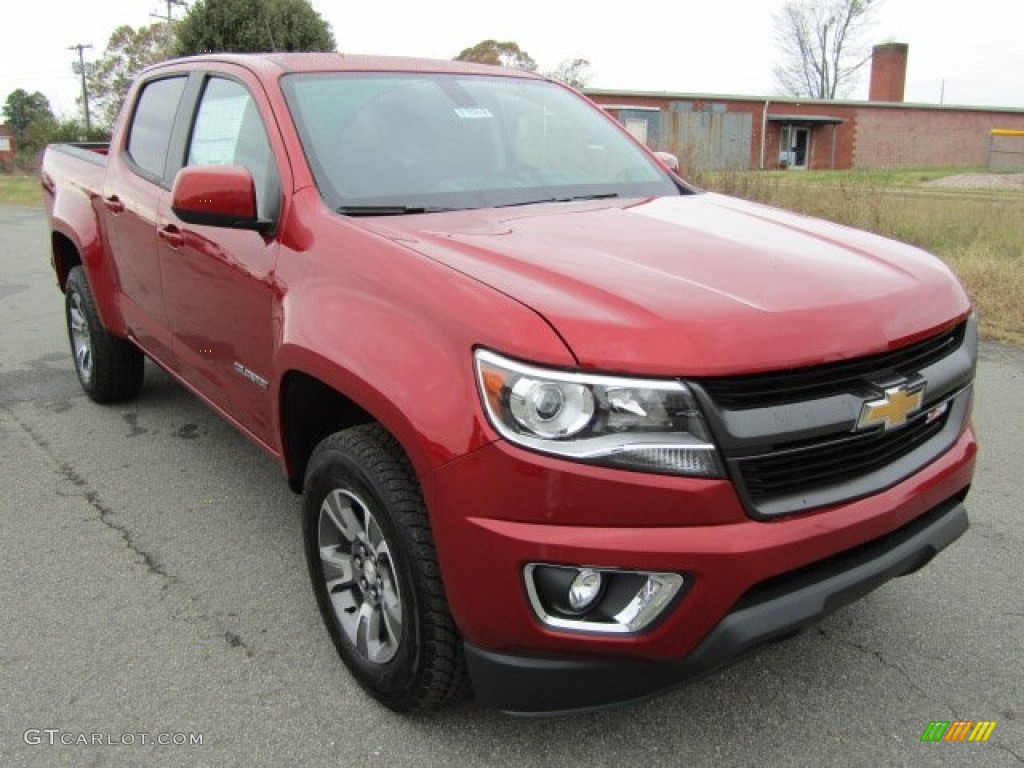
[65,257]
[75,240]
[421,398]
[311,410]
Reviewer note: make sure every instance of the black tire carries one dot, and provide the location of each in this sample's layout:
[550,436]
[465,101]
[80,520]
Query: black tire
[109,368]
[366,531]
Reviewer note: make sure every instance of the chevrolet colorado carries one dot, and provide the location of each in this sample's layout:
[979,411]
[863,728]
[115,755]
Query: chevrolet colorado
[567,428]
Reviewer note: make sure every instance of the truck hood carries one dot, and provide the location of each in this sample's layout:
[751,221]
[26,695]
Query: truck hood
[697,285]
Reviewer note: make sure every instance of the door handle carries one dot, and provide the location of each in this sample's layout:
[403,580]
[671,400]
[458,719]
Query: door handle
[171,235]
[113,204]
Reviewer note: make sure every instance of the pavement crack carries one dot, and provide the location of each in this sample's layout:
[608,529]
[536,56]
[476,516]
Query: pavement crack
[883,661]
[94,500]
[41,442]
[773,693]
[1010,752]
[74,484]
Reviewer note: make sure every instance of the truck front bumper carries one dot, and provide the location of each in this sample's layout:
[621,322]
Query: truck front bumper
[769,612]
[500,509]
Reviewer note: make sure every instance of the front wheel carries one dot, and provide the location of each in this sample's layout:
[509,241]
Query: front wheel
[109,368]
[374,571]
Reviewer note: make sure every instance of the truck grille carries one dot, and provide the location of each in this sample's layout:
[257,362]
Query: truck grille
[802,469]
[792,386]
[790,438]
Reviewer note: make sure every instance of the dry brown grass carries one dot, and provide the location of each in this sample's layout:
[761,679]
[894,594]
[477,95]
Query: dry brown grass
[979,232]
[997,290]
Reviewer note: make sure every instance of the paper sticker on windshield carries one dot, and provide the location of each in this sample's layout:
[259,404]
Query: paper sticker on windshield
[474,113]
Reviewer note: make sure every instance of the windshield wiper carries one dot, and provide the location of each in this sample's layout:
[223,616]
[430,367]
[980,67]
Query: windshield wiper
[563,199]
[404,210]
[388,210]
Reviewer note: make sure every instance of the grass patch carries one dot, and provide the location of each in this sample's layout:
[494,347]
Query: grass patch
[20,190]
[979,232]
[871,178]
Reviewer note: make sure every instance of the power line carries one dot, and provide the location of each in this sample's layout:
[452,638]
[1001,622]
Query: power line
[85,90]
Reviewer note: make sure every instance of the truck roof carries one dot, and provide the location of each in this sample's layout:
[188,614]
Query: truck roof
[273,64]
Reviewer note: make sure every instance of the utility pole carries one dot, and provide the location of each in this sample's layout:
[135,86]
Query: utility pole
[170,10]
[79,68]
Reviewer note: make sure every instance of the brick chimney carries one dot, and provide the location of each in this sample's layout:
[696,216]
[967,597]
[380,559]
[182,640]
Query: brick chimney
[888,72]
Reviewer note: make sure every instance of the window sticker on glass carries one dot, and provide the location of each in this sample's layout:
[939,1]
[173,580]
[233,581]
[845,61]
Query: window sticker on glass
[217,128]
[474,113]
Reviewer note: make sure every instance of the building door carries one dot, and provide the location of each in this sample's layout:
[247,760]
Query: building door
[637,128]
[796,147]
[642,124]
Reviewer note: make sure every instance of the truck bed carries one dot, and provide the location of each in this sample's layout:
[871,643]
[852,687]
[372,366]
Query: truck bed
[72,169]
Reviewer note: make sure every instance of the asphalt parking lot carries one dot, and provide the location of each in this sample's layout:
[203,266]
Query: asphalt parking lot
[154,587]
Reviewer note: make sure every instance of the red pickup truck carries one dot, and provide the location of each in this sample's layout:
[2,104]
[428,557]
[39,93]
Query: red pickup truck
[567,428]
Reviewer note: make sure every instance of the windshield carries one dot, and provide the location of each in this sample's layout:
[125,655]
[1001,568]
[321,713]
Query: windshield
[407,143]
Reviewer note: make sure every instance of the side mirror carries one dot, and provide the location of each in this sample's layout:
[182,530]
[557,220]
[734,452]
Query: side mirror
[217,196]
[669,160]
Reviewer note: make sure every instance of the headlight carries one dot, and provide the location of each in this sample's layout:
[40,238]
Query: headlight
[646,424]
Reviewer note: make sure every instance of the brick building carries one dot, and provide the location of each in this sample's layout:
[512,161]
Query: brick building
[6,146]
[740,132]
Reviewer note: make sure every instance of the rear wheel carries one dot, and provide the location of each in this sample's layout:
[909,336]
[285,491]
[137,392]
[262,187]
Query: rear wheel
[109,368]
[374,570]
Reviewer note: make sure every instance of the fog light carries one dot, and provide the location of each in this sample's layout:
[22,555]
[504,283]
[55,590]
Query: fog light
[585,589]
[603,600]
[650,600]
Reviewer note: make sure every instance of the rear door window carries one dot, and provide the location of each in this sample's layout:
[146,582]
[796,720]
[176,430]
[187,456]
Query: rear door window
[152,124]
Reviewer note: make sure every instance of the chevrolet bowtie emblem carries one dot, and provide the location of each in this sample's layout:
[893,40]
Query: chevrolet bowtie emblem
[892,410]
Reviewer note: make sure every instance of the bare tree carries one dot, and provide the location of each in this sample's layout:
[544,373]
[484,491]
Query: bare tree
[821,44]
[572,72]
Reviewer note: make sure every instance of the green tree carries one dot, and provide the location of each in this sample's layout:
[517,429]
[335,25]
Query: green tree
[572,72]
[128,52]
[821,46]
[246,26]
[501,54]
[71,130]
[29,117]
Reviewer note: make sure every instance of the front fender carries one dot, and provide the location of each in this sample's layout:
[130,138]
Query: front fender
[407,365]
[394,332]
